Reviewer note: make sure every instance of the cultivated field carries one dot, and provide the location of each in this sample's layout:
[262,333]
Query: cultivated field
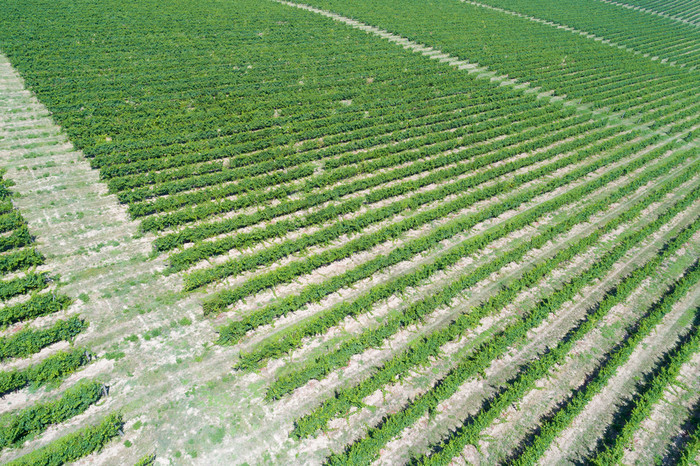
[367,232]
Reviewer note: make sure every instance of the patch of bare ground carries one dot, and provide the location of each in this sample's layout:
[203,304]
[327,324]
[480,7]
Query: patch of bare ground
[468,399]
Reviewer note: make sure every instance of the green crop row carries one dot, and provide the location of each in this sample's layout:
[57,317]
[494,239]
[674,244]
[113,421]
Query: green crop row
[230,333]
[286,273]
[17,425]
[661,37]
[525,380]
[463,30]
[209,209]
[415,312]
[75,445]
[691,446]
[682,10]
[20,260]
[509,145]
[29,341]
[489,350]
[50,370]
[639,408]
[38,305]
[30,282]
[321,322]
[358,224]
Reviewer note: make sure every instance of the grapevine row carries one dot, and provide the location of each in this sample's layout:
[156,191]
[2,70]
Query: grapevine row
[643,400]
[74,446]
[286,273]
[489,350]
[38,417]
[418,310]
[525,380]
[51,369]
[321,322]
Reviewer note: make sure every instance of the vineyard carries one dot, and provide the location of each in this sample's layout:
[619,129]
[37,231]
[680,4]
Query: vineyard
[368,232]
[28,295]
